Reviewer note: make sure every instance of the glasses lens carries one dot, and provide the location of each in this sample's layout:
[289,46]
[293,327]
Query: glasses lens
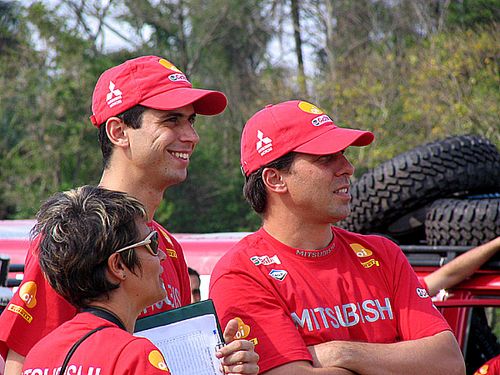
[154,243]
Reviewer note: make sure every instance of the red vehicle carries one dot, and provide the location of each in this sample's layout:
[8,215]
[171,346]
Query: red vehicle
[472,308]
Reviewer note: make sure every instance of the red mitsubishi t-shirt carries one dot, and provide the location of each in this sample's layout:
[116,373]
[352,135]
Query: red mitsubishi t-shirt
[359,288]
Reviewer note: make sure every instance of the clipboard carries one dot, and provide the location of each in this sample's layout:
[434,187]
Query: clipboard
[188,338]
[182,313]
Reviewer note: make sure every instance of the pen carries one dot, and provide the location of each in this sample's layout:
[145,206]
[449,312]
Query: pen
[220,344]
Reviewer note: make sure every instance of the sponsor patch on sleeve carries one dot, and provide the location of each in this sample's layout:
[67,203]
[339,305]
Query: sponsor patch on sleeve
[422,293]
[157,360]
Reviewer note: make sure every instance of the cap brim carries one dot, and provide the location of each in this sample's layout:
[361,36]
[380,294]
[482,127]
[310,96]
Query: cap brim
[336,140]
[205,102]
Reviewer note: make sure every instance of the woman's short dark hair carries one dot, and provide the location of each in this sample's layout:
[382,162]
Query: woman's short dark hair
[79,230]
[131,117]
[254,189]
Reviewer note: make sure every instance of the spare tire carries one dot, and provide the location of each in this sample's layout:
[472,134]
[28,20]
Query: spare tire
[462,222]
[456,166]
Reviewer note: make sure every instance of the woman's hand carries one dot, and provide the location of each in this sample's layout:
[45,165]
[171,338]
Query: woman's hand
[238,356]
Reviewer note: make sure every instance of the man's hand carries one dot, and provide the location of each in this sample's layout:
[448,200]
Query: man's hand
[238,356]
[432,355]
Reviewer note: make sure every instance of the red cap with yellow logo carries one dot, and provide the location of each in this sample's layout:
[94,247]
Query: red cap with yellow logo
[152,82]
[293,126]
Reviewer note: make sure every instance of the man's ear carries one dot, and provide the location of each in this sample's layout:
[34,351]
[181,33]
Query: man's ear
[273,180]
[117,131]
[116,268]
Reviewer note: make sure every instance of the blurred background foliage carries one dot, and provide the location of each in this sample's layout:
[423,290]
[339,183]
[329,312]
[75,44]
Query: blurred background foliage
[412,71]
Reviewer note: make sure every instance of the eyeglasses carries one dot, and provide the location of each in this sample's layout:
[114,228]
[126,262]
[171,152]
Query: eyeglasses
[150,243]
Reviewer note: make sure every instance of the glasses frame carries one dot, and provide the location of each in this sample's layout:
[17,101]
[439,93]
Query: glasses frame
[145,242]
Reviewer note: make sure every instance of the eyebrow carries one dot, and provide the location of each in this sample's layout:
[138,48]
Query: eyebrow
[177,114]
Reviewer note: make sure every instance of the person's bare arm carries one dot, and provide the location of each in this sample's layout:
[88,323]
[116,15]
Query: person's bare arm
[305,368]
[438,354]
[461,267]
[14,363]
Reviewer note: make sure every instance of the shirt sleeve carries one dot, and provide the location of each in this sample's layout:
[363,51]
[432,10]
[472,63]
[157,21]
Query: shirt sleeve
[417,316]
[140,356]
[34,311]
[262,317]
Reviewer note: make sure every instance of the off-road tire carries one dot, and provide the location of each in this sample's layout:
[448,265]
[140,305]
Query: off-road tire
[456,166]
[462,222]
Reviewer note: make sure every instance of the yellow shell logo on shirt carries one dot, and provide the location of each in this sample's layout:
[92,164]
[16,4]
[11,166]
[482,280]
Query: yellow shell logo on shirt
[243,329]
[157,360]
[27,292]
[310,108]
[360,250]
[167,64]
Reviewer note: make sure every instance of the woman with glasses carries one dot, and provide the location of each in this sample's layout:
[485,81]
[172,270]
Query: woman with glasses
[98,253]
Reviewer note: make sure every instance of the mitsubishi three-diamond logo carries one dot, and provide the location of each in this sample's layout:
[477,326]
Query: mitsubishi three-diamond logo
[114,96]
[264,144]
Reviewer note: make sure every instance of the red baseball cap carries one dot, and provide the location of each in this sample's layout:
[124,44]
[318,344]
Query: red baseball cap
[293,126]
[153,82]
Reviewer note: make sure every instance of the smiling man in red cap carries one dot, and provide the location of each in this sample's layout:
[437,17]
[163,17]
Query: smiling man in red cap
[314,298]
[145,110]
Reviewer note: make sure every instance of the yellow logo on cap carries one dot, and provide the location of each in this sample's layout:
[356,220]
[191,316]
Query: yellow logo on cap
[167,64]
[157,360]
[310,108]
[27,292]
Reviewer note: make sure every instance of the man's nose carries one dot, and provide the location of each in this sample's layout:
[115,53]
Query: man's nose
[347,167]
[189,133]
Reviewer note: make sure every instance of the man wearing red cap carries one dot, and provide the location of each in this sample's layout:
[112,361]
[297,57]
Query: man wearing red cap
[314,298]
[144,109]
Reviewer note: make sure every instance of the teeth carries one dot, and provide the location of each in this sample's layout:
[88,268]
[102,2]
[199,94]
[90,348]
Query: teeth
[181,155]
[344,190]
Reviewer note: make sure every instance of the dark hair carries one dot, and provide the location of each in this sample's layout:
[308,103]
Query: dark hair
[254,189]
[80,229]
[131,117]
[193,272]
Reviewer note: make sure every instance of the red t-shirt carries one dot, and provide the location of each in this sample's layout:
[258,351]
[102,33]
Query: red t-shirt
[492,367]
[360,289]
[36,309]
[108,351]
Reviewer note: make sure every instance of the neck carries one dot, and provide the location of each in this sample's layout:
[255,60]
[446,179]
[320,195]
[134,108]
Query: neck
[149,196]
[127,319]
[300,235]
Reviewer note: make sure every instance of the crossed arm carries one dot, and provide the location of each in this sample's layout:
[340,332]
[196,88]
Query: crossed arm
[438,354]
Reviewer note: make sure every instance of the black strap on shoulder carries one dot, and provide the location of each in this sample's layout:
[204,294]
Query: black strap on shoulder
[76,345]
[105,314]
[101,313]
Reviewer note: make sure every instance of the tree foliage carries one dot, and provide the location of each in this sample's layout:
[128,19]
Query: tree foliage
[409,70]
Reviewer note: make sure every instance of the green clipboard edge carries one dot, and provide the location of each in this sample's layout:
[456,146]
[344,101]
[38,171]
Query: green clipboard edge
[182,313]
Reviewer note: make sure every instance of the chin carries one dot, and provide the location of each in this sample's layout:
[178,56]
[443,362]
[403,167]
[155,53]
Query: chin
[175,180]
[338,218]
